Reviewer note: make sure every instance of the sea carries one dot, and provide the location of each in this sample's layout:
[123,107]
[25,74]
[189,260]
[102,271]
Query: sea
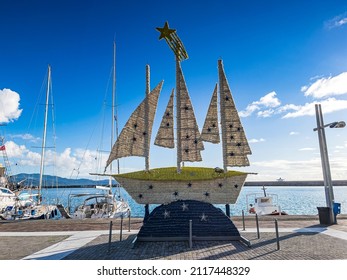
[298,200]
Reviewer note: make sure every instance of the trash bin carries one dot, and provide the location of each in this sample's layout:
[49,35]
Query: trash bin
[324,215]
[336,210]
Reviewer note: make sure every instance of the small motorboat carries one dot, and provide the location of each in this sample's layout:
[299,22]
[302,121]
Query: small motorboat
[263,204]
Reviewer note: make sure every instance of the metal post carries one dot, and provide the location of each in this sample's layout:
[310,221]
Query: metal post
[257,223]
[190,233]
[178,117]
[121,228]
[110,237]
[146,212]
[147,136]
[129,225]
[277,235]
[227,210]
[329,194]
[243,220]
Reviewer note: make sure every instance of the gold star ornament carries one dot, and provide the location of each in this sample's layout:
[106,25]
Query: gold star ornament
[173,41]
[165,32]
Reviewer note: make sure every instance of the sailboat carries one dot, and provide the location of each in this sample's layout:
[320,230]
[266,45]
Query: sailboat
[34,209]
[10,196]
[103,204]
[170,184]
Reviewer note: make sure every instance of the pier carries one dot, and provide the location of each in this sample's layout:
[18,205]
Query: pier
[336,183]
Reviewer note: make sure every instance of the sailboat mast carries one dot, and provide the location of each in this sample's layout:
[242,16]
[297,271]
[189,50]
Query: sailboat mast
[114,105]
[222,115]
[147,135]
[178,116]
[44,133]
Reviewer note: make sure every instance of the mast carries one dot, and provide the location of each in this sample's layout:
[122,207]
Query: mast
[178,117]
[44,133]
[222,116]
[147,135]
[177,47]
[114,105]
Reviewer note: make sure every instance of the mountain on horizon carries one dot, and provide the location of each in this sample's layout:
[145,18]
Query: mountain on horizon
[49,180]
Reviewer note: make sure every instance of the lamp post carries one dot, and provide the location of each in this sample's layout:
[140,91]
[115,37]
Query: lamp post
[328,186]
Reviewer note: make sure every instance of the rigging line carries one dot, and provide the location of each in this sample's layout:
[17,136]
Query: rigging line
[93,132]
[54,141]
[41,92]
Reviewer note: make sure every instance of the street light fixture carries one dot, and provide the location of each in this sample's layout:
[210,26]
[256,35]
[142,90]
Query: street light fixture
[328,186]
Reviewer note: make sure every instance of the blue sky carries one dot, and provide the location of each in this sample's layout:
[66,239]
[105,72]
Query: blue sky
[280,58]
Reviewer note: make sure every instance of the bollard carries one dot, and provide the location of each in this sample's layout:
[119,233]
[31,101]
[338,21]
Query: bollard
[190,234]
[257,222]
[243,220]
[277,235]
[121,227]
[110,237]
[129,221]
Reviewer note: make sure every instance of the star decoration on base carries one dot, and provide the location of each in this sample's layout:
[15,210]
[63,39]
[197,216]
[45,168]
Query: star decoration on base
[203,217]
[166,214]
[184,207]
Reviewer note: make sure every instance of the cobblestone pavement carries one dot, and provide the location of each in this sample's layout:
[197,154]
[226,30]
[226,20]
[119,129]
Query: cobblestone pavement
[294,244]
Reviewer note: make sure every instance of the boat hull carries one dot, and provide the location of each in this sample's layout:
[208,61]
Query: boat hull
[224,190]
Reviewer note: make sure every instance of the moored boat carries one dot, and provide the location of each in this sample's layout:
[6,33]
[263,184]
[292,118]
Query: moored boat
[264,204]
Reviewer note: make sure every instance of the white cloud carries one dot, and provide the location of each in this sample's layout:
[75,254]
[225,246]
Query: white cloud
[325,87]
[337,21]
[256,140]
[294,133]
[14,150]
[328,106]
[266,113]
[65,164]
[297,169]
[26,136]
[307,149]
[9,105]
[268,101]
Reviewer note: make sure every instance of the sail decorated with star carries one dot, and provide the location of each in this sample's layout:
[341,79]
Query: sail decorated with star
[165,135]
[131,141]
[235,146]
[210,130]
[189,145]
[234,141]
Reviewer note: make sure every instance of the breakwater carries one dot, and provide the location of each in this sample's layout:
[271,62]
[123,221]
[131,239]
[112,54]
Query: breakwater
[336,183]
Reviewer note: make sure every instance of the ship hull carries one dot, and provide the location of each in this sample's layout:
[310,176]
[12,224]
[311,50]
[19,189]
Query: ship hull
[224,190]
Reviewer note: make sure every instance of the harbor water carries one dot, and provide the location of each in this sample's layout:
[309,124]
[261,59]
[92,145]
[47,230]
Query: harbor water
[293,200]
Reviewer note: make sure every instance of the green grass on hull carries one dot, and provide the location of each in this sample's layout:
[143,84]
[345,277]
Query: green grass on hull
[187,174]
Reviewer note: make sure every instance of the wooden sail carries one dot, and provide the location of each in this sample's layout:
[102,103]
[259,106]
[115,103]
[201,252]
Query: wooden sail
[210,130]
[235,144]
[190,144]
[165,136]
[131,141]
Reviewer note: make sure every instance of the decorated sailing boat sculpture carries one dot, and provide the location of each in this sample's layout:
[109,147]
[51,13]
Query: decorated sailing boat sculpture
[166,185]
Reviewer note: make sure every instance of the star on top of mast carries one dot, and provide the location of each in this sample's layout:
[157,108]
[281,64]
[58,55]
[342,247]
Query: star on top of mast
[173,41]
